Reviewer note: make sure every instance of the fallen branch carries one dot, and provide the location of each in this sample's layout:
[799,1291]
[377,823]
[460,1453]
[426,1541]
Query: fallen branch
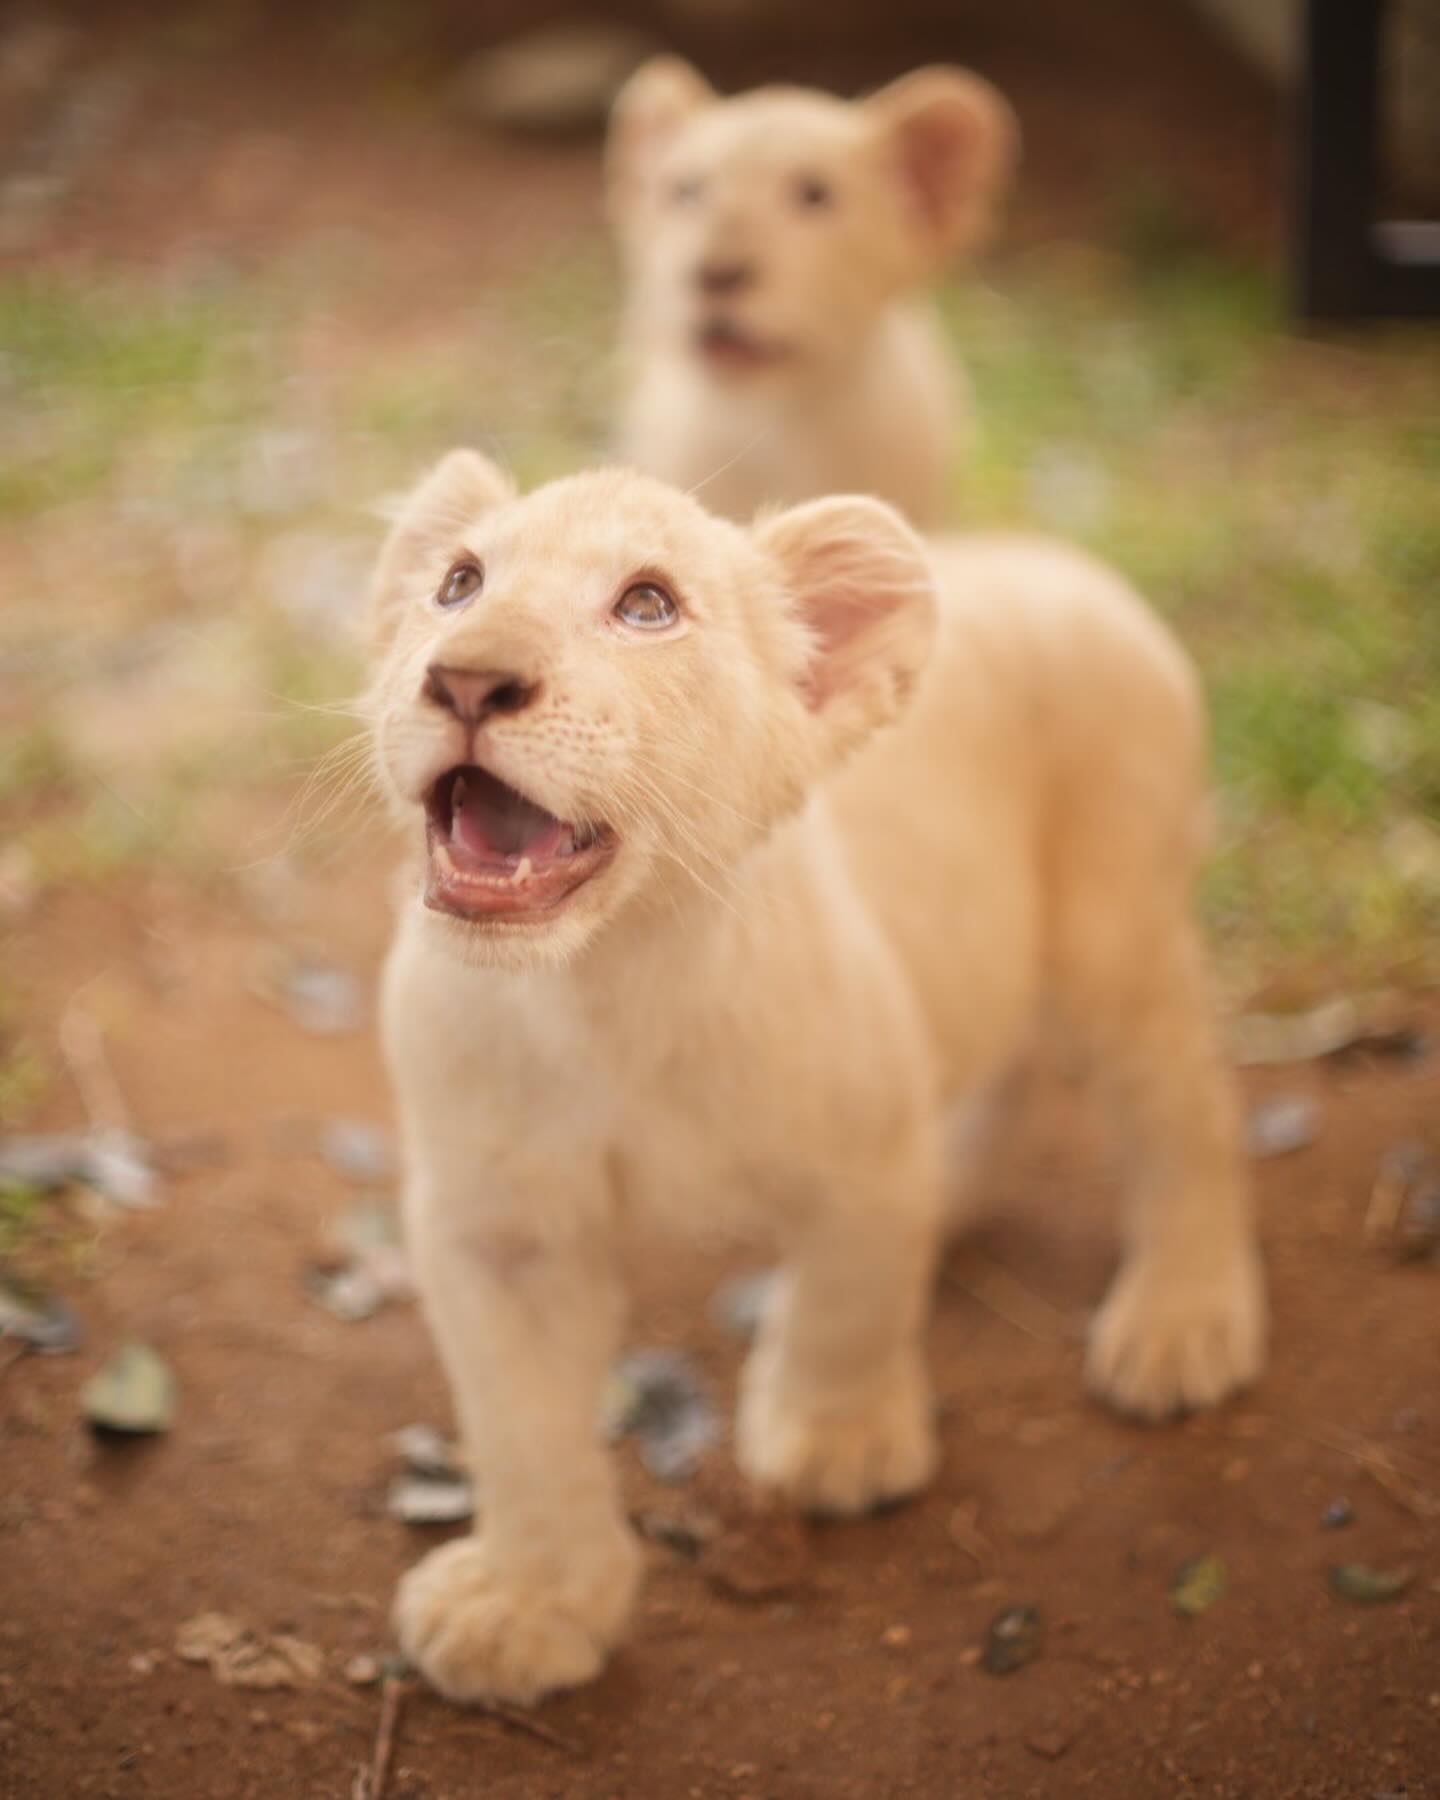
[520,1721]
[999,1292]
[370,1784]
[1407,1491]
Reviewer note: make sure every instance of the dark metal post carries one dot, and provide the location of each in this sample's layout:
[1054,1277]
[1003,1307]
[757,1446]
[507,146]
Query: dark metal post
[1346,264]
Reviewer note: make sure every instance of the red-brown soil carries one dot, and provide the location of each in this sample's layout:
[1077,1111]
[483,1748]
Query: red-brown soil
[852,1671]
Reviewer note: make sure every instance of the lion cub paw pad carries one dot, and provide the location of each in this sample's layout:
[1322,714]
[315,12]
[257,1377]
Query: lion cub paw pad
[1159,1347]
[478,1632]
[842,1462]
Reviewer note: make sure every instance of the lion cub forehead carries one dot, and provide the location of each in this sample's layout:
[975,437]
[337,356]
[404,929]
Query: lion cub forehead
[774,125]
[614,521]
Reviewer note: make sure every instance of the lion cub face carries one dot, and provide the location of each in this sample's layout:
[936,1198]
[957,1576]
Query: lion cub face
[768,232]
[592,697]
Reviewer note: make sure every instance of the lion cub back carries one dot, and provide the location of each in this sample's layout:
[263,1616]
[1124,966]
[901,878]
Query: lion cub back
[1054,755]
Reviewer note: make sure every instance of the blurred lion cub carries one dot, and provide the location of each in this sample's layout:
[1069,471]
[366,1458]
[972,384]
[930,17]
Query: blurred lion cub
[741,857]
[774,245]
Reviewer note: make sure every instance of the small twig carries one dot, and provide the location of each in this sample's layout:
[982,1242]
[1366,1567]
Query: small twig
[520,1721]
[998,1291]
[370,1784]
[1383,1211]
[82,1044]
[1419,1501]
[965,1533]
[1378,1463]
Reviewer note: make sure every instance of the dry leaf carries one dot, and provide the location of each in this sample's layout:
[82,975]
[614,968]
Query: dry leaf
[1198,1584]
[240,1657]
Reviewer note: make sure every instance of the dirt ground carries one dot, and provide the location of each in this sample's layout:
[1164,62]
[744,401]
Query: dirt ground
[784,1662]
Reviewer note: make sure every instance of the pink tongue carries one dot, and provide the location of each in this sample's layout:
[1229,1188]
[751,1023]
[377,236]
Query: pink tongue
[493,822]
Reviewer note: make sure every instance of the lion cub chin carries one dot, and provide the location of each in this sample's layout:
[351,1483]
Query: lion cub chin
[775,245]
[742,858]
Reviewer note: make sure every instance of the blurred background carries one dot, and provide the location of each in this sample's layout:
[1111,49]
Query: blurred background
[260,263]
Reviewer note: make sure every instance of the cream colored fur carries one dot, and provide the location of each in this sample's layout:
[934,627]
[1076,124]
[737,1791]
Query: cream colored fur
[832,216]
[866,833]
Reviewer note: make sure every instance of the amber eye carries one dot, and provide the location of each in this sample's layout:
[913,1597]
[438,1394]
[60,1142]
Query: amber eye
[463,583]
[813,193]
[647,607]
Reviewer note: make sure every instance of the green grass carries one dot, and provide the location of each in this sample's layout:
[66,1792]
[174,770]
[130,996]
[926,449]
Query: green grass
[23,1076]
[91,375]
[1275,498]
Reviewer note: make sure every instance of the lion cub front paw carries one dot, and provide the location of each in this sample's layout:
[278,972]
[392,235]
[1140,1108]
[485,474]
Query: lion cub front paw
[1168,1341]
[480,1631]
[841,1457]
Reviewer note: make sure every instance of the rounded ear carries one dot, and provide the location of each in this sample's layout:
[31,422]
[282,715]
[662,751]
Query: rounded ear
[651,107]
[429,525]
[860,580]
[955,142]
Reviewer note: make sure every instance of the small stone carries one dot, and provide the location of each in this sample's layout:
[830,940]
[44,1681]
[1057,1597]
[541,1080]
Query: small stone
[657,1397]
[1370,1587]
[1337,1515]
[37,1319]
[363,1671]
[896,1637]
[1283,1124]
[430,1500]
[134,1393]
[350,1292]
[741,1303]
[358,1150]
[1013,1640]
[1403,1216]
[319,996]
[116,1164]
[1050,1742]
[425,1451]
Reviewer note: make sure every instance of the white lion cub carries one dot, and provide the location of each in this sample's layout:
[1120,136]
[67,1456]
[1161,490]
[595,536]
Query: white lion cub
[741,857]
[775,245]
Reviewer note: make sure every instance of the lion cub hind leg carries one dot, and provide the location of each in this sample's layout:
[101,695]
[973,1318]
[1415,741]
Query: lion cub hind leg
[1184,1322]
[835,1409]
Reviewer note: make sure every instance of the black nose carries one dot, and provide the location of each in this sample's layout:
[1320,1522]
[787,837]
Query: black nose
[473,695]
[724,277]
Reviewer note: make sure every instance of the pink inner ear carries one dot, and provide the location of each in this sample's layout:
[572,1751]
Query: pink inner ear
[935,148]
[836,617]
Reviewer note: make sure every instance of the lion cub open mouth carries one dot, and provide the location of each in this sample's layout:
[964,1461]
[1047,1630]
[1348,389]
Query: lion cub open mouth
[496,855]
[728,345]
